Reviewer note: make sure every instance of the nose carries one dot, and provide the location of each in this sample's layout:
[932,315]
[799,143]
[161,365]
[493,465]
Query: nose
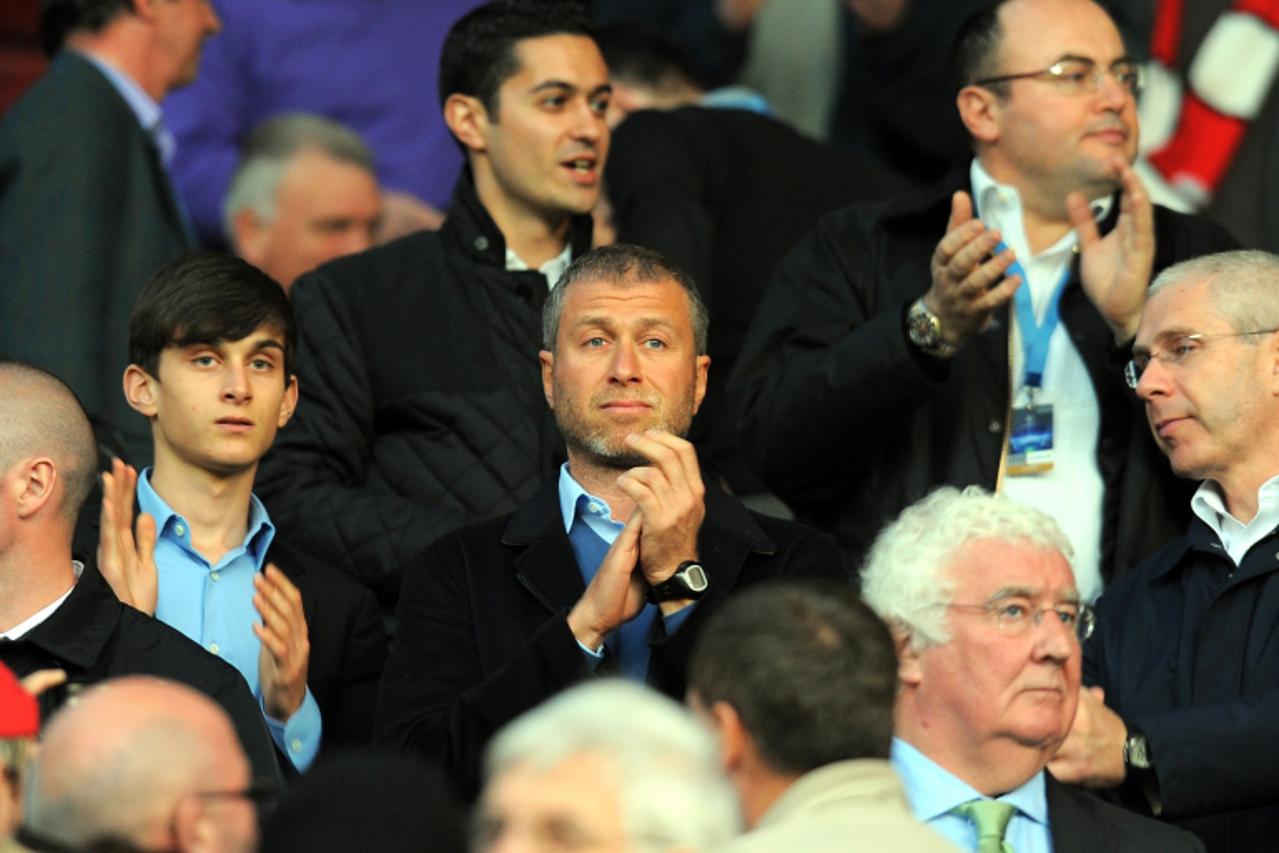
[1053,639]
[1112,94]
[1153,381]
[236,387]
[625,367]
[589,125]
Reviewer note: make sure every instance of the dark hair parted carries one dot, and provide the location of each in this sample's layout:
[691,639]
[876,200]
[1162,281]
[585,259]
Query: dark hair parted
[204,298]
[479,52]
[60,18]
[622,263]
[810,670]
[975,51]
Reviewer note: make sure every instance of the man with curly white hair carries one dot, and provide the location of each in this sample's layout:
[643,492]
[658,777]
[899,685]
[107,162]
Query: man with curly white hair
[607,766]
[982,601]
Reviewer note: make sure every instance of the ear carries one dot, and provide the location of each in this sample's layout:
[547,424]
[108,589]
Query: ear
[468,120]
[910,670]
[139,390]
[192,826]
[734,742]
[702,366]
[289,403]
[980,109]
[144,9]
[251,235]
[547,359]
[32,485]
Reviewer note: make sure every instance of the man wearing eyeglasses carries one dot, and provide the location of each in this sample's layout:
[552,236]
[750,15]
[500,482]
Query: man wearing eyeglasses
[1186,656]
[968,336]
[141,763]
[983,604]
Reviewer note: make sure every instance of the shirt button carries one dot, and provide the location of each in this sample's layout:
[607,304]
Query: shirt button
[593,507]
[481,243]
[179,529]
[994,426]
[215,575]
[295,744]
[214,647]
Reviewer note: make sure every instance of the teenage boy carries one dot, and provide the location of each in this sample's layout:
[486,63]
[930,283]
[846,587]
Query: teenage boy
[211,345]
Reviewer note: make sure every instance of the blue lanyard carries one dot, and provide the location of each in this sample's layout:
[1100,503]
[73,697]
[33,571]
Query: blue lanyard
[1034,336]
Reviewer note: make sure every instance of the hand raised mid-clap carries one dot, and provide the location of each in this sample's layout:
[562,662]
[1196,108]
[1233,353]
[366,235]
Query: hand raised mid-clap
[286,649]
[126,552]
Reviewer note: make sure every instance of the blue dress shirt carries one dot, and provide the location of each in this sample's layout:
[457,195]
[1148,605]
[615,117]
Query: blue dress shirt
[933,792]
[595,513]
[213,605]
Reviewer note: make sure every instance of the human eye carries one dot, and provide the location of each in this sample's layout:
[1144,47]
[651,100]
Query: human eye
[1012,614]
[262,363]
[594,342]
[1067,614]
[599,104]
[1075,75]
[1182,346]
[554,100]
[654,343]
[203,359]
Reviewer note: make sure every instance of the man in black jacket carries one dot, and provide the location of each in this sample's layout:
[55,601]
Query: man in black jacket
[888,358]
[498,616]
[419,406]
[1186,654]
[56,614]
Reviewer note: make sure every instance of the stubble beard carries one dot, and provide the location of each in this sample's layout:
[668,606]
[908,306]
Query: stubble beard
[606,447]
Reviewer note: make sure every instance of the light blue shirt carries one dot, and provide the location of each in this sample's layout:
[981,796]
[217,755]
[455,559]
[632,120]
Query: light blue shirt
[148,111]
[933,792]
[213,605]
[598,516]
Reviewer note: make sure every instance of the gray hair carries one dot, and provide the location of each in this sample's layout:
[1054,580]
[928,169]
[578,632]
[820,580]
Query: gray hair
[270,149]
[1245,285]
[622,264]
[667,763]
[905,578]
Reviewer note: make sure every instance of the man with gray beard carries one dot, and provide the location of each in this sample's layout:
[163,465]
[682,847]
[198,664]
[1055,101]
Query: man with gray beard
[612,568]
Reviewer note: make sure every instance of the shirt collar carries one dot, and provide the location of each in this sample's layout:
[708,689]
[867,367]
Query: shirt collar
[148,112]
[36,619]
[934,791]
[552,269]
[171,525]
[1210,506]
[574,501]
[999,206]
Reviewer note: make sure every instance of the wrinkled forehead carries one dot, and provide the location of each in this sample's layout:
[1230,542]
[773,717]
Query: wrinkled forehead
[989,569]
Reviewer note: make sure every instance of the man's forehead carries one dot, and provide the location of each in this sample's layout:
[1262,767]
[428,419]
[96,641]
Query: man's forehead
[1047,31]
[1177,308]
[990,567]
[663,299]
[263,337]
[564,57]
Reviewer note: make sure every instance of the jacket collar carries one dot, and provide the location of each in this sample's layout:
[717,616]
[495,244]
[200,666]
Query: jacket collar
[472,230]
[78,630]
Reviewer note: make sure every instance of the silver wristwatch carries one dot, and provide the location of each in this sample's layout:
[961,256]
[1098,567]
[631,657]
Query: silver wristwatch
[923,327]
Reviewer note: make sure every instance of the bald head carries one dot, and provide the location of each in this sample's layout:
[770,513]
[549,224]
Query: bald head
[40,417]
[127,760]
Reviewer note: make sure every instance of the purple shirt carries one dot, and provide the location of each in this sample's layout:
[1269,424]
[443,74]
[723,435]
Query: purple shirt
[370,64]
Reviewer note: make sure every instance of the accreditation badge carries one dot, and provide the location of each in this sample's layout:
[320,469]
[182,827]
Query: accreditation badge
[1030,444]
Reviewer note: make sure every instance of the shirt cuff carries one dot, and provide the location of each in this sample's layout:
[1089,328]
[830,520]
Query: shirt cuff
[594,657]
[299,738]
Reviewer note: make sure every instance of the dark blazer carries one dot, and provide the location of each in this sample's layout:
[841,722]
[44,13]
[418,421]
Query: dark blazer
[1082,823]
[87,214]
[348,645]
[94,637]
[483,634]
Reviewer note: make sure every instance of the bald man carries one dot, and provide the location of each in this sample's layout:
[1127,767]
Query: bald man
[143,761]
[54,612]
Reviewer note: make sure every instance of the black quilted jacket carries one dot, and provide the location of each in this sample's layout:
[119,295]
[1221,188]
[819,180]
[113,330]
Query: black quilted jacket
[421,400]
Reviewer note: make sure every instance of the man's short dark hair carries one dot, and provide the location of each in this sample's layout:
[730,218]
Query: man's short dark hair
[204,298]
[60,18]
[809,668]
[975,51]
[641,56]
[479,52]
[622,262]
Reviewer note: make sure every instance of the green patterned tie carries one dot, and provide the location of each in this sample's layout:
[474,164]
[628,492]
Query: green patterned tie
[991,819]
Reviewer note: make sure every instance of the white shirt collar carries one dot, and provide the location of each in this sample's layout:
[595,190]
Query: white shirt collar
[35,619]
[552,269]
[999,206]
[1236,537]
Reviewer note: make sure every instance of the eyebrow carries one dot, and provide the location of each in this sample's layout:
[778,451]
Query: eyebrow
[258,345]
[1007,592]
[607,322]
[1125,59]
[564,85]
[1162,338]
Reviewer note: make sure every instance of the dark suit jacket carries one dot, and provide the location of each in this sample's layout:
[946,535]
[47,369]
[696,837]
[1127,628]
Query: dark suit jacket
[348,645]
[87,215]
[94,637]
[1082,823]
[483,634]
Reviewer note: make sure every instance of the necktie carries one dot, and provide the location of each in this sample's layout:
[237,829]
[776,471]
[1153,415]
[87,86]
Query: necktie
[990,817]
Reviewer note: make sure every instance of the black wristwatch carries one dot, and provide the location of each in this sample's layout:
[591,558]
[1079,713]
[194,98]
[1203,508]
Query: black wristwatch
[689,581]
[923,327]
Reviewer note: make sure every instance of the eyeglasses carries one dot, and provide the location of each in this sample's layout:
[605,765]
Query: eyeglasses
[1174,350]
[1016,616]
[1079,76]
[260,792]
